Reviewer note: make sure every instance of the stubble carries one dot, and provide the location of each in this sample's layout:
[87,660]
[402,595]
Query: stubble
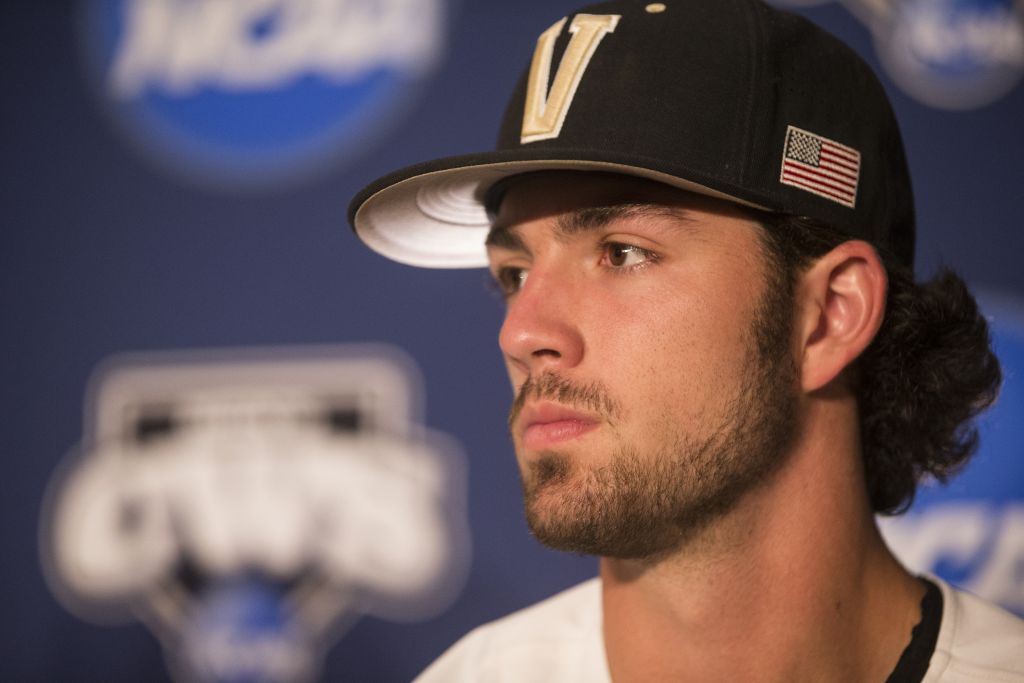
[646,505]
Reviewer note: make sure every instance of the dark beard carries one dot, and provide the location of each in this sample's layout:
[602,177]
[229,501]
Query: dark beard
[646,507]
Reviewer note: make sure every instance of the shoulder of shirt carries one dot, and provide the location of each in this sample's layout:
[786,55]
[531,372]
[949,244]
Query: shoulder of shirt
[978,641]
[556,639]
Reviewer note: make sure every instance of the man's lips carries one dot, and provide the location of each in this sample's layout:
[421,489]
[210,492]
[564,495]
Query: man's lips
[542,425]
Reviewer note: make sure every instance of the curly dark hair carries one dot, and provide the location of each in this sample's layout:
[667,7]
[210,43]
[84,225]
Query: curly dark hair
[922,380]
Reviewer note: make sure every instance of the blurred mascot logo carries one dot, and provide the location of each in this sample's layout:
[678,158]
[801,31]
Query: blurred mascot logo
[975,544]
[954,54]
[947,54]
[250,506]
[257,93]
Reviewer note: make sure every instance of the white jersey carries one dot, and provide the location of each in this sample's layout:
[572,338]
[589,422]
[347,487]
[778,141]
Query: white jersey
[560,640]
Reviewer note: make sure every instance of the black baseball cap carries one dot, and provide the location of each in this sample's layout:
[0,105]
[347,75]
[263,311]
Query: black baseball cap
[728,98]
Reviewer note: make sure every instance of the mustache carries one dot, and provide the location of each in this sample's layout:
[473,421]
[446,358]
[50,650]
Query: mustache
[592,397]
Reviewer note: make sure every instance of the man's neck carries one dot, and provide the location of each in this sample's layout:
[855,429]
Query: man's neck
[795,584]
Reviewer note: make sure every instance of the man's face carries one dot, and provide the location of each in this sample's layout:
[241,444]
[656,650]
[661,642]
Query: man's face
[650,357]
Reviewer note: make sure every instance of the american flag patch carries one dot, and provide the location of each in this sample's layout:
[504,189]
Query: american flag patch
[822,166]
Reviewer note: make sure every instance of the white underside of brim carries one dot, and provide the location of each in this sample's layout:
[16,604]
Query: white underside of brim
[437,220]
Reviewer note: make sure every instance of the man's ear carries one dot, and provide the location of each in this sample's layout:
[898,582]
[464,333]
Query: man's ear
[840,304]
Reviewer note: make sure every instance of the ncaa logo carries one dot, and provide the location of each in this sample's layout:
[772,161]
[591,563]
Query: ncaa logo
[953,54]
[257,93]
[249,506]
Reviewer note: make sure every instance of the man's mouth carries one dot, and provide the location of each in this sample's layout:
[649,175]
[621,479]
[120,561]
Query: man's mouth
[545,424]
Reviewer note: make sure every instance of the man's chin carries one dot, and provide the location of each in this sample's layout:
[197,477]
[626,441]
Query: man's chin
[564,514]
[588,536]
[549,468]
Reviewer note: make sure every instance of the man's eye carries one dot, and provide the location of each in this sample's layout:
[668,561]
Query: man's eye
[510,279]
[622,255]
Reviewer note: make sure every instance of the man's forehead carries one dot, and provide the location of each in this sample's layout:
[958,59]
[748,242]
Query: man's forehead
[582,201]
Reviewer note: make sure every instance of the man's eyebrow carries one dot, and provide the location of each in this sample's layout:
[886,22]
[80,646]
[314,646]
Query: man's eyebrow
[597,217]
[503,237]
[587,219]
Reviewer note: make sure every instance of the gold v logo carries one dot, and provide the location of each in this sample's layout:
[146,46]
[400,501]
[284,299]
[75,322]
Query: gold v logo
[545,111]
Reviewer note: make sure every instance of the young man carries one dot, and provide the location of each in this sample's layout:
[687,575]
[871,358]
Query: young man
[701,217]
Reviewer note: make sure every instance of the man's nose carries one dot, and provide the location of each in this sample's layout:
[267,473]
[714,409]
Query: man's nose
[541,329]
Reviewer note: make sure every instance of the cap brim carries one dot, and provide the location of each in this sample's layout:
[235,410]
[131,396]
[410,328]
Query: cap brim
[433,215]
